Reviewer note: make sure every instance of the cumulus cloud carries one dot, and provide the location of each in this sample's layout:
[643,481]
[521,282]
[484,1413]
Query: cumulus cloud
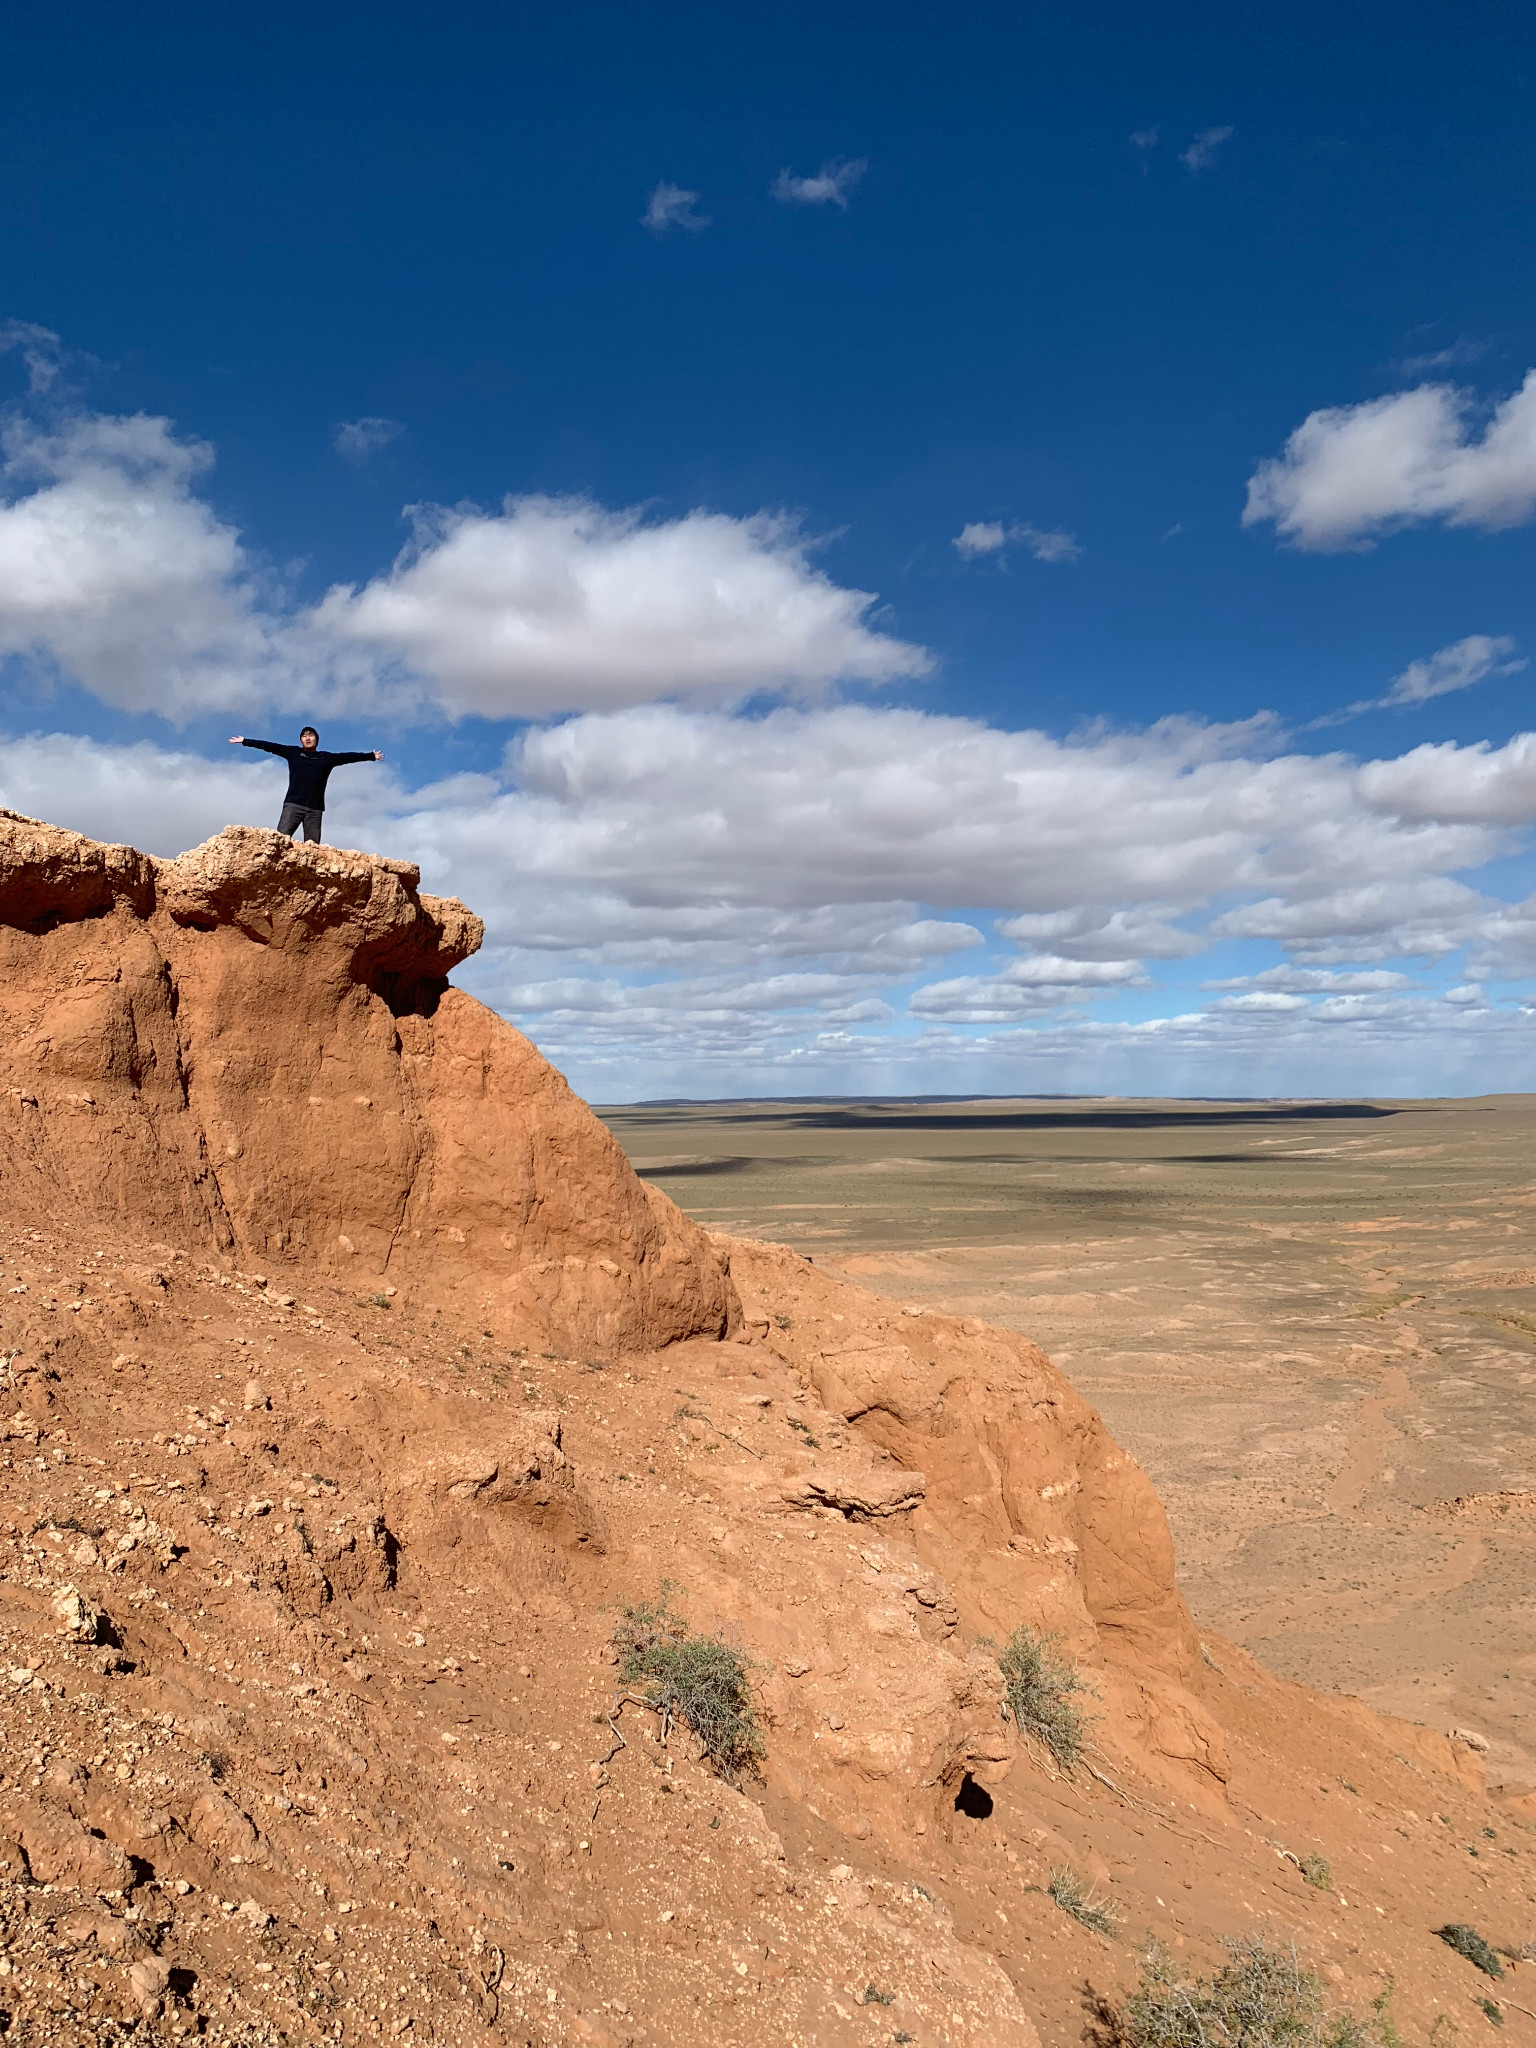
[1024,988]
[557,604]
[755,894]
[1351,472]
[355,440]
[116,574]
[982,537]
[1202,153]
[672,206]
[1090,933]
[829,186]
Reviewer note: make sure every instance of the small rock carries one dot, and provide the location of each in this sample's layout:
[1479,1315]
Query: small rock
[256,1396]
[149,1979]
[79,1621]
[1471,1738]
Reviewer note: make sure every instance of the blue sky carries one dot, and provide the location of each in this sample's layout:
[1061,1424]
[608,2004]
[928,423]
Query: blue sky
[814,619]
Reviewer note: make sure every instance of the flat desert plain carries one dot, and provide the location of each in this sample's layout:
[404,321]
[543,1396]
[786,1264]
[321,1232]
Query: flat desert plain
[1313,1323]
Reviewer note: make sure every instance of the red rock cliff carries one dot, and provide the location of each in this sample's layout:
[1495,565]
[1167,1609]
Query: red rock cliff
[255,1048]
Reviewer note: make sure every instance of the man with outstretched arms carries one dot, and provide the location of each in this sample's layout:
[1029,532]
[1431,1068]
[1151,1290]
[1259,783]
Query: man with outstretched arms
[308,772]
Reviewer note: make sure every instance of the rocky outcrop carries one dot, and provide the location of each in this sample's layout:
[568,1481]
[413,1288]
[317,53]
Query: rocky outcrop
[255,1048]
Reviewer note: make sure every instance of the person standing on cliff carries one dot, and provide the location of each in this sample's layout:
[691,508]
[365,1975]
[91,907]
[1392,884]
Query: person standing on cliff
[308,772]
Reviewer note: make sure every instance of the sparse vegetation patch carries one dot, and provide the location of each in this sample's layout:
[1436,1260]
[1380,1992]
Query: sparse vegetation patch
[1262,1997]
[1082,1901]
[701,1680]
[1039,1685]
[1469,1943]
[1317,1871]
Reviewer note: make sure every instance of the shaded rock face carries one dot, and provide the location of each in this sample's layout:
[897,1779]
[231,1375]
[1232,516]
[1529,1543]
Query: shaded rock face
[254,1048]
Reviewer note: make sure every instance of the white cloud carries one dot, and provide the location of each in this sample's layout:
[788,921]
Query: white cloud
[1318,981]
[1202,153]
[981,537]
[675,891]
[116,573]
[671,206]
[1457,667]
[1024,988]
[1092,933]
[156,798]
[1144,139]
[1350,472]
[1261,999]
[1456,356]
[41,351]
[830,185]
[1414,916]
[356,440]
[556,604]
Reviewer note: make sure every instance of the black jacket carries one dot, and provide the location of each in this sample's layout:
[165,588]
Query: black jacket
[307,773]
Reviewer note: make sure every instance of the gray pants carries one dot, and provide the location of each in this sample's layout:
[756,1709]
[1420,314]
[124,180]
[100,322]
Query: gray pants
[295,815]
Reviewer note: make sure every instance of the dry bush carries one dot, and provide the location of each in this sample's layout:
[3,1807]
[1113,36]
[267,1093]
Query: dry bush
[1038,1687]
[700,1680]
[1469,1943]
[1261,1997]
[1100,1916]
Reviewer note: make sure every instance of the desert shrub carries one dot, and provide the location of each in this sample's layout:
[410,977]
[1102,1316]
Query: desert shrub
[1317,1871]
[1469,1943]
[1260,1998]
[1082,1902]
[1038,1688]
[701,1680]
[1493,2012]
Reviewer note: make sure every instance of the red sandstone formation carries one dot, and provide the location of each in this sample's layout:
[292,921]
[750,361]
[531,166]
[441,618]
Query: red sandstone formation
[356,1378]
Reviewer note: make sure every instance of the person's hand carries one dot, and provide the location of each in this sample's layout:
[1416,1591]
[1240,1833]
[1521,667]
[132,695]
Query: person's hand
[377,755]
[238,740]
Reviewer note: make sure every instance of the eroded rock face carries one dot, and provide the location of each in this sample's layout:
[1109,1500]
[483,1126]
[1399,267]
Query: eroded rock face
[254,1047]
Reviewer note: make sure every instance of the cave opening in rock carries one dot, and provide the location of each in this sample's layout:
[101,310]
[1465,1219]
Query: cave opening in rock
[973,1800]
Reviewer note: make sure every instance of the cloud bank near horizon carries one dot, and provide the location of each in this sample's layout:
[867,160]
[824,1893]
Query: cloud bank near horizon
[675,876]
[667,886]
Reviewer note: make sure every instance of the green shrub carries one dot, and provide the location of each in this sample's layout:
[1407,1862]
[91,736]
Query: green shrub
[1073,1896]
[1318,1872]
[1469,1943]
[1492,2011]
[1038,1684]
[701,1680]
[1260,1998]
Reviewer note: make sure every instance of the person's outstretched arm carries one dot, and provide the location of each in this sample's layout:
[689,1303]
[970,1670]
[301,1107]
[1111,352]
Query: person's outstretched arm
[266,746]
[341,760]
